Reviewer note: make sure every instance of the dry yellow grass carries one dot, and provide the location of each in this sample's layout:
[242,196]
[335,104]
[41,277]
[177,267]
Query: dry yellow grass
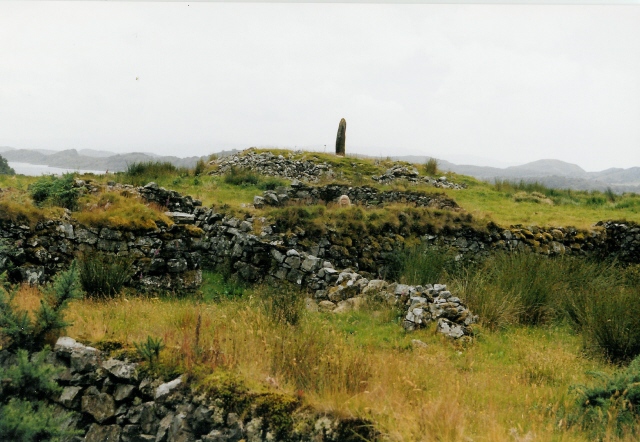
[505,386]
[110,209]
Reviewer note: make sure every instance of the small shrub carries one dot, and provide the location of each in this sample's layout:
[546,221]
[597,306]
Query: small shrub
[532,279]
[199,168]
[270,183]
[149,350]
[4,167]
[431,167]
[104,275]
[595,201]
[24,417]
[21,331]
[55,191]
[612,405]
[495,309]
[221,286]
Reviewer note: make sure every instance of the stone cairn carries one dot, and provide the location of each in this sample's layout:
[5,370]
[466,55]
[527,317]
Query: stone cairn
[341,138]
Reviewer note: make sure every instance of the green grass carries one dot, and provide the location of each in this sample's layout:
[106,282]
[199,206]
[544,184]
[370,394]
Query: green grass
[362,363]
[581,209]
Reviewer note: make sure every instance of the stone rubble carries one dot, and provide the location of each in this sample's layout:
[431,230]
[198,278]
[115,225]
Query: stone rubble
[300,193]
[267,163]
[411,175]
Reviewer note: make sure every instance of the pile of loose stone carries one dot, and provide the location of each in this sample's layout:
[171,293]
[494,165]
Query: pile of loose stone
[112,401]
[411,174]
[267,163]
[300,193]
[422,305]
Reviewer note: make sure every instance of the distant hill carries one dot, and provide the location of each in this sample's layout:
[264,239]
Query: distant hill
[92,160]
[551,173]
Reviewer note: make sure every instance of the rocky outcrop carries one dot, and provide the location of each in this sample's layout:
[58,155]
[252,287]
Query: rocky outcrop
[269,164]
[113,400]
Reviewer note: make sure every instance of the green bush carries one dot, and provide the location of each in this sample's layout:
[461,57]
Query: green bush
[613,403]
[104,275]
[30,378]
[56,191]
[149,350]
[495,309]
[531,278]
[4,167]
[24,416]
[200,167]
[431,167]
[19,331]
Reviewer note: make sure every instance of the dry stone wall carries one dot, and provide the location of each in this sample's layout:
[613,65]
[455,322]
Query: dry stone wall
[165,258]
[172,256]
[339,268]
[113,400]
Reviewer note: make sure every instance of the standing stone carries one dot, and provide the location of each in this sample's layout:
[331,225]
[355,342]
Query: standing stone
[341,138]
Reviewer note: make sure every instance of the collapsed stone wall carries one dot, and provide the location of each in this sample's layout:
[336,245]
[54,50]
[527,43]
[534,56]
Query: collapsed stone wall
[267,163]
[410,174]
[112,400]
[171,256]
[300,193]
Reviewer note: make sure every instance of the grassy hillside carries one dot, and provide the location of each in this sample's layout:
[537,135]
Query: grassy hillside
[503,203]
[544,324]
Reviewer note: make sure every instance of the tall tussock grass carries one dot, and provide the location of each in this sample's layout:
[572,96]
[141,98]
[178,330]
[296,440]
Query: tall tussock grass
[140,173]
[103,275]
[598,299]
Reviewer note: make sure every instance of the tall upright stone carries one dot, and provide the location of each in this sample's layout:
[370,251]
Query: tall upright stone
[341,138]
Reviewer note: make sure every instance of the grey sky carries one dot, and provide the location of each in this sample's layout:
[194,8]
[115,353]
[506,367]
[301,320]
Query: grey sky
[509,83]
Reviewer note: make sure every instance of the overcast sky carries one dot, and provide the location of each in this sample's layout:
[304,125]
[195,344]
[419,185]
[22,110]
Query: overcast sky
[511,84]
